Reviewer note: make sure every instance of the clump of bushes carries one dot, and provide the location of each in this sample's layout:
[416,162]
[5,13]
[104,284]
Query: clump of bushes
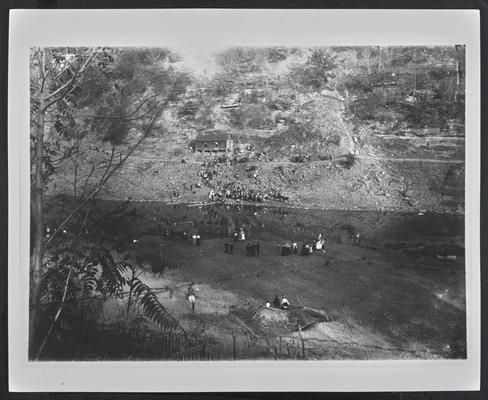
[348,161]
[298,158]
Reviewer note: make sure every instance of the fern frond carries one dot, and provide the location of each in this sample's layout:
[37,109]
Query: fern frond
[152,307]
[89,279]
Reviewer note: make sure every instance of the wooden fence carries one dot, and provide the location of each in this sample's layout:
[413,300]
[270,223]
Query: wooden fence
[116,343]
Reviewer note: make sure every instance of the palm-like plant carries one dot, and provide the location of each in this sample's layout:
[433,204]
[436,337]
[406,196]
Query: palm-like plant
[74,275]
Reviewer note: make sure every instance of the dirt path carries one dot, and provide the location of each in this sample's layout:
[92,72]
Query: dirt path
[425,160]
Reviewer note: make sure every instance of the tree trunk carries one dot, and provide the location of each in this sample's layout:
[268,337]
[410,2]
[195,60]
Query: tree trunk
[38,223]
[458,74]
[379,58]
[75,183]
[129,300]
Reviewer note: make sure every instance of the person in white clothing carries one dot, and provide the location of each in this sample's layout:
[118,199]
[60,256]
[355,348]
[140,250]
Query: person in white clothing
[284,303]
[191,295]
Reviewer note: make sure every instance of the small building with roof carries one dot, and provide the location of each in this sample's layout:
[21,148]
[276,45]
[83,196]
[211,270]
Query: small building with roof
[214,142]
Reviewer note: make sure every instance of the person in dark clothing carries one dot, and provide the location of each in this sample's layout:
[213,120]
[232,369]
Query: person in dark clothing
[278,248]
[231,247]
[226,246]
[304,250]
[276,302]
[236,236]
[257,248]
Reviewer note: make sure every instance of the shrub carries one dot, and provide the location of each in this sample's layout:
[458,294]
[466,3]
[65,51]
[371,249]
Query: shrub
[349,161]
[297,158]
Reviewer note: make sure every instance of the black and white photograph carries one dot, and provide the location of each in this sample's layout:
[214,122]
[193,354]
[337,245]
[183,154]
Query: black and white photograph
[254,203]
[241,202]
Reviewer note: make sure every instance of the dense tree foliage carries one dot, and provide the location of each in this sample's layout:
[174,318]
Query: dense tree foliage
[395,87]
[413,86]
[91,106]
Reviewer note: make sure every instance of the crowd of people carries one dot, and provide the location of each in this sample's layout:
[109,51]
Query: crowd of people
[227,188]
[308,247]
[237,191]
[252,248]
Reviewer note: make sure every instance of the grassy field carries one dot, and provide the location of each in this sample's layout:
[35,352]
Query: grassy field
[389,298]
[390,304]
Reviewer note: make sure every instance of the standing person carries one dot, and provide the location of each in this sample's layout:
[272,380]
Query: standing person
[248,249]
[198,240]
[226,246]
[318,245]
[268,304]
[257,248]
[191,295]
[236,236]
[243,234]
[231,247]
[295,247]
[357,239]
[284,303]
[276,302]
[194,239]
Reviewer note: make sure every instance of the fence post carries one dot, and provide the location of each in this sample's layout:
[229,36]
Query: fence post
[301,339]
[266,339]
[280,346]
[234,345]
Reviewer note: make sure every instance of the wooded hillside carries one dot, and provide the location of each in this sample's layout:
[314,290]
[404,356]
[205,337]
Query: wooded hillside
[359,109]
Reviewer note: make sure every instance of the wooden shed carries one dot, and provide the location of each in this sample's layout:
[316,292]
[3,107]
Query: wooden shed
[214,141]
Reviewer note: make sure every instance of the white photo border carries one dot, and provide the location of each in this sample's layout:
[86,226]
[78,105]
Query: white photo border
[226,27]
